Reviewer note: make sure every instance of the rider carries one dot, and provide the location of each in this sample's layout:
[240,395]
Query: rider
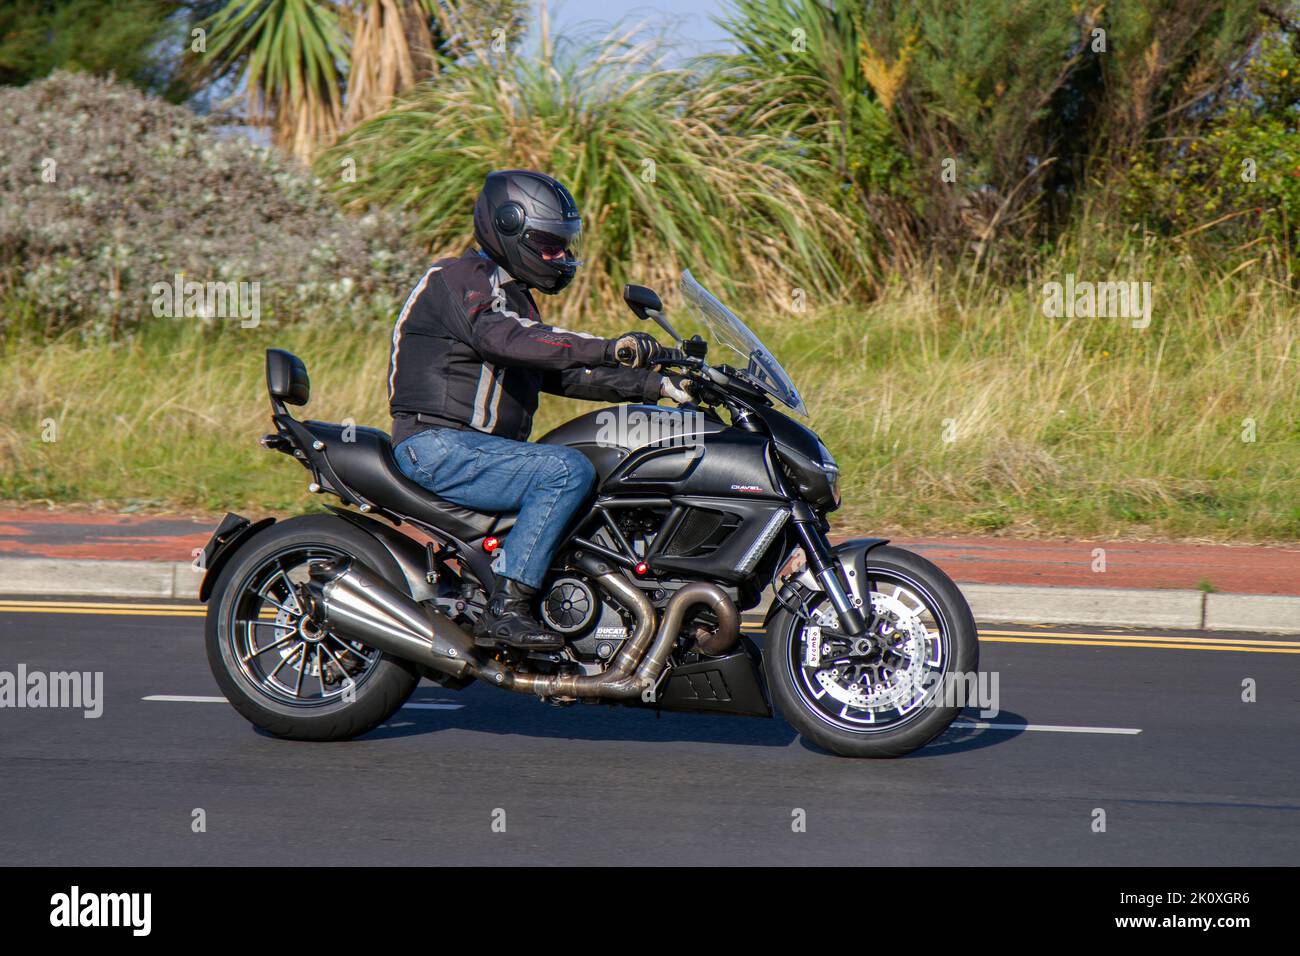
[470,355]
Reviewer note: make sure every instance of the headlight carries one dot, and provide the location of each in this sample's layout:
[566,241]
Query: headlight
[832,472]
[818,482]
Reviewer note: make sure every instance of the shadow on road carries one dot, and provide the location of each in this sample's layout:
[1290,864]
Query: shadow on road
[954,739]
[493,713]
[528,718]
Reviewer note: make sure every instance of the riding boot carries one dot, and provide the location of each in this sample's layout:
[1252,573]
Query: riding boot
[508,619]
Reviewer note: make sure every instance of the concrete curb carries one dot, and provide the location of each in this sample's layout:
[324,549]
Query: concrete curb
[122,579]
[992,603]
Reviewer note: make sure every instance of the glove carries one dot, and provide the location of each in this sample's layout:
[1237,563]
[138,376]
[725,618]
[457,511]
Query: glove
[678,389]
[637,350]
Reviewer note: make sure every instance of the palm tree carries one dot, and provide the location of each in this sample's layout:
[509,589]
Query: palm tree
[392,49]
[314,68]
[290,55]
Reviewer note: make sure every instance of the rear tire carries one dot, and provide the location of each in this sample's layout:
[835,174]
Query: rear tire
[376,694]
[782,657]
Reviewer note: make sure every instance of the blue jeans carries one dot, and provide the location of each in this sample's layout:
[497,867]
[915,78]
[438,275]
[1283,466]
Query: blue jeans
[546,484]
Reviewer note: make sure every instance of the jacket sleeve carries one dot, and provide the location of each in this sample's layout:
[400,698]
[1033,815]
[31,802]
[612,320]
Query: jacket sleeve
[604,384]
[503,337]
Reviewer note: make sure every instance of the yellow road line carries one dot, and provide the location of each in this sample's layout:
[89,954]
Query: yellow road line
[1075,639]
[1132,640]
[9,603]
[98,612]
[1125,637]
[1275,648]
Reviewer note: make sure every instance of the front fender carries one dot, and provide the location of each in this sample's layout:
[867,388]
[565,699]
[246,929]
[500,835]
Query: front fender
[852,556]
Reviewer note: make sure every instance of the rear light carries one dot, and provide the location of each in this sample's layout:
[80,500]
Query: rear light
[491,543]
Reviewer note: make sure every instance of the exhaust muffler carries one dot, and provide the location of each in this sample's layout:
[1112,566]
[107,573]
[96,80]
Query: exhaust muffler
[357,603]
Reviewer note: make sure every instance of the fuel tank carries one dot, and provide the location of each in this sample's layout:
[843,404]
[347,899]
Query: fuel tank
[661,451]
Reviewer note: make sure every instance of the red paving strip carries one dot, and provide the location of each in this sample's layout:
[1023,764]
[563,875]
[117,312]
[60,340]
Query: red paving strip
[1235,569]
[1129,564]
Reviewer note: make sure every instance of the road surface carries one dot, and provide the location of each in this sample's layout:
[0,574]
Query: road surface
[1147,732]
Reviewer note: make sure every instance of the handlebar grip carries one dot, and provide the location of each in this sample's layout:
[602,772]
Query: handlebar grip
[625,353]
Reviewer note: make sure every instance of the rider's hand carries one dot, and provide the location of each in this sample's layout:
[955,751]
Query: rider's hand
[678,389]
[637,350]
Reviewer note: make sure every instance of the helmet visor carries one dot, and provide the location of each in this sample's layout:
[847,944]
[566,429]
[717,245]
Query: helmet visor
[558,242]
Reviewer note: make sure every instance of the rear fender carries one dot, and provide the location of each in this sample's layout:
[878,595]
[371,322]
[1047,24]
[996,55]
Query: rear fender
[232,534]
[406,551]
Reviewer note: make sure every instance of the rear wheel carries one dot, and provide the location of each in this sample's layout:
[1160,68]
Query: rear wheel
[275,666]
[881,694]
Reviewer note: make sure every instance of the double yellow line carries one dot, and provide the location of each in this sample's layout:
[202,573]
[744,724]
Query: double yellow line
[98,608]
[987,635]
[1157,641]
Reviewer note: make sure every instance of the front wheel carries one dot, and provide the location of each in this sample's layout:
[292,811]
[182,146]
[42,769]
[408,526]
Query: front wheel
[888,691]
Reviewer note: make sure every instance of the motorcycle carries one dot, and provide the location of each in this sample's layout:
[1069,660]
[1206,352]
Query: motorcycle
[319,627]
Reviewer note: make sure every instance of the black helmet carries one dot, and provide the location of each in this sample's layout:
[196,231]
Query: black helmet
[529,224]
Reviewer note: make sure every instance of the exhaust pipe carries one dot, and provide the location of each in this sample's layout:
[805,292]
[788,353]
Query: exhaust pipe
[635,669]
[357,603]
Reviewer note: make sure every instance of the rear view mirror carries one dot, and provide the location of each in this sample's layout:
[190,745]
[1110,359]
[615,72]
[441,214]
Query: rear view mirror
[644,302]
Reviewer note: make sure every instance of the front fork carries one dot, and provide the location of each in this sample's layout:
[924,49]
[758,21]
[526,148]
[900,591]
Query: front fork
[827,570]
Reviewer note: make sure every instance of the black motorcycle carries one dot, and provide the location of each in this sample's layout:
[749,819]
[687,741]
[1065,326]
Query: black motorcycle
[319,627]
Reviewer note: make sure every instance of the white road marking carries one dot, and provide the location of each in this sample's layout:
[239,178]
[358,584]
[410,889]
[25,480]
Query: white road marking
[184,699]
[1051,728]
[432,706]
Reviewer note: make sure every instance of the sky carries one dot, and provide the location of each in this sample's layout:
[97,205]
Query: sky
[687,20]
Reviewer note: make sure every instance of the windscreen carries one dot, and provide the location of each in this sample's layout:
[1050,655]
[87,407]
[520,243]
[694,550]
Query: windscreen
[746,352]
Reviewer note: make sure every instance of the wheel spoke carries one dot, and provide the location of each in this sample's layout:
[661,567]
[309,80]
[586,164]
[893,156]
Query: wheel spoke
[343,669]
[288,586]
[286,659]
[320,672]
[274,603]
[258,652]
[257,623]
[350,649]
[302,670]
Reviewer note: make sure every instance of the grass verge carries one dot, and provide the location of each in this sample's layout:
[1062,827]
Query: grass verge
[950,412]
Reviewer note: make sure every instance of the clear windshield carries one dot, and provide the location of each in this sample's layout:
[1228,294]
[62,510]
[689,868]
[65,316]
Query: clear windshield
[729,333]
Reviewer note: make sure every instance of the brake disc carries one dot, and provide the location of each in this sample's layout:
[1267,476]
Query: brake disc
[897,672]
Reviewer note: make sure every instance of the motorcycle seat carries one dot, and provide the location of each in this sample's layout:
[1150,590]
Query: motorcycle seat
[363,461]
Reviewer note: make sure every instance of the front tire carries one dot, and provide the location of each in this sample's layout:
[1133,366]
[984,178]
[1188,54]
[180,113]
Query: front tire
[282,674]
[887,701]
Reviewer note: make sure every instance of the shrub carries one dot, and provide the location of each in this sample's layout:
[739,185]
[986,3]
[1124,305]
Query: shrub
[142,190]
[1241,170]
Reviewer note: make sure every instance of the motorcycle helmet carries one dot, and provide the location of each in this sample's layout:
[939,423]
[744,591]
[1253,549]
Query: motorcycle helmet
[529,225]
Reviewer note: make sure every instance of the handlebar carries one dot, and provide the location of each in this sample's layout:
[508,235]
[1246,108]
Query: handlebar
[666,356]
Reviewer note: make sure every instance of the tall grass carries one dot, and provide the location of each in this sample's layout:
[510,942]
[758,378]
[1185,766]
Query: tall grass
[648,151]
[1056,426]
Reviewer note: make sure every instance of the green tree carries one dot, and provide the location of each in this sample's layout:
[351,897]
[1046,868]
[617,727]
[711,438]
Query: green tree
[138,40]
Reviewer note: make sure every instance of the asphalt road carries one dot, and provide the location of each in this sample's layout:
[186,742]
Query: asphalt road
[1209,780]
